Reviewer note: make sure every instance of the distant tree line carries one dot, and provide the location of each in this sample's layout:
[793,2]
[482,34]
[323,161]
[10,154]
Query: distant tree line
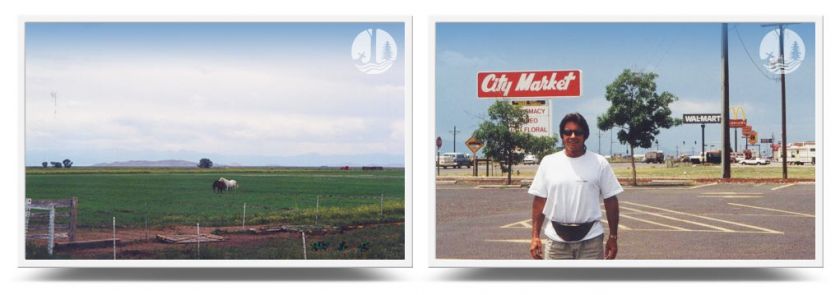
[63,164]
[205,163]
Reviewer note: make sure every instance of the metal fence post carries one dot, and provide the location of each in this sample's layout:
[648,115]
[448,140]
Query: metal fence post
[51,231]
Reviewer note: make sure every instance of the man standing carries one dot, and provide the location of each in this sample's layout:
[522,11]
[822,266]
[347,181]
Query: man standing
[567,189]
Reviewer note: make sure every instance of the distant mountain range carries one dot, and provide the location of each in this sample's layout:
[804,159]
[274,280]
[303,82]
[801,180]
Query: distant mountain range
[161,163]
[183,163]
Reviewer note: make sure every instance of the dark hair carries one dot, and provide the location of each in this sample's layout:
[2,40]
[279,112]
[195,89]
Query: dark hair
[579,120]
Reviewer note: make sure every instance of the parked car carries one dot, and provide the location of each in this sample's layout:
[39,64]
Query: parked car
[530,159]
[454,160]
[754,161]
[655,157]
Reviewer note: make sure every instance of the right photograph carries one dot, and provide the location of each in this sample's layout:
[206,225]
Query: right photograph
[627,143]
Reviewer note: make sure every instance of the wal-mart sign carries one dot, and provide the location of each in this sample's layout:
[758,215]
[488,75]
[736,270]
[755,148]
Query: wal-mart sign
[701,118]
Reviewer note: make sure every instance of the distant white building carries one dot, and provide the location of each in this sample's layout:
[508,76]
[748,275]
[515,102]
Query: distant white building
[797,153]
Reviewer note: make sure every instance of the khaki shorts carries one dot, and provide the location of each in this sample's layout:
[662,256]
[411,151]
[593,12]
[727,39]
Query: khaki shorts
[586,249]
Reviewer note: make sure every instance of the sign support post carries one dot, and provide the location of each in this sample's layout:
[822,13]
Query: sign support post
[702,138]
[438,143]
[474,145]
[702,119]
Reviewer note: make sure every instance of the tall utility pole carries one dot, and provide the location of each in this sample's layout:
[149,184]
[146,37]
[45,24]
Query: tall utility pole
[784,111]
[454,132]
[782,67]
[724,52]
[702,138]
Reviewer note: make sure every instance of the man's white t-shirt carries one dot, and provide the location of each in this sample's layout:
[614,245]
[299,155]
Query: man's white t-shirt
[574,188]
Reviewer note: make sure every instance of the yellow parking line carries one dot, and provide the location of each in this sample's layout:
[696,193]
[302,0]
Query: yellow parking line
[678,219]
[519,224]
[732,196]
[655,223]
[709,218]
[621,226]
[771,209]
[648,221]
[782,186]
[527,224]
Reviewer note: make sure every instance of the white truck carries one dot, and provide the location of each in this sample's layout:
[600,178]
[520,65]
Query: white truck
[799,153]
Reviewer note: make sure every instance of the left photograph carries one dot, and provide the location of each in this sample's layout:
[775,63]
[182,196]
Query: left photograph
[216,143]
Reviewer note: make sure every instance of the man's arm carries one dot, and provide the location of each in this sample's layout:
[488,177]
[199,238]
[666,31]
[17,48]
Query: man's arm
[537,219]
[611,206]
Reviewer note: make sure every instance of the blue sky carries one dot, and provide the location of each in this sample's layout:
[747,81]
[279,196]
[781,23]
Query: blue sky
[238,93]
[687,57]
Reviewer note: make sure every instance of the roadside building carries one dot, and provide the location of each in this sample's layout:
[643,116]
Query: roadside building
[804,152]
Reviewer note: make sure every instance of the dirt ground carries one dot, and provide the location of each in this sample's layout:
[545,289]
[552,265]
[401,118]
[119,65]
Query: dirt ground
[137,243]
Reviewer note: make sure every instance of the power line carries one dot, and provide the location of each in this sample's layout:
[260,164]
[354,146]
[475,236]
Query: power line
[760,70]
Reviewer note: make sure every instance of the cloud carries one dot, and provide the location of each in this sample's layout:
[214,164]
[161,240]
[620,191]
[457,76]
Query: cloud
[454,58]
[691,106]
[266,108]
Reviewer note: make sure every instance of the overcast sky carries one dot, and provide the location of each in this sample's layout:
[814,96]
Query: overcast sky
[246,93]
[686,56]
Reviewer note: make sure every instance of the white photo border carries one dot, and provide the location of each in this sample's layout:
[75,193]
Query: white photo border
[817,262]
[406,262]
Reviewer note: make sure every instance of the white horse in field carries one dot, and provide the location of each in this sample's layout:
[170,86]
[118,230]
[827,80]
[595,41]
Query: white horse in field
[230,184]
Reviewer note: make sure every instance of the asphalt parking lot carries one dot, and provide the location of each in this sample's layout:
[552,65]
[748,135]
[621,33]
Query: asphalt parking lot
[711,221]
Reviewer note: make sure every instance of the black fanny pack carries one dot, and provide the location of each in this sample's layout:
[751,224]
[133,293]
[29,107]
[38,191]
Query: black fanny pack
[572,232]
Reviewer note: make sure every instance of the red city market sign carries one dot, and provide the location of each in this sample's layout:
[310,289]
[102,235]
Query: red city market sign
[529,84]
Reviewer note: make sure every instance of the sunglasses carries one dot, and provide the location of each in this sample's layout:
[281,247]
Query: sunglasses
[568,132]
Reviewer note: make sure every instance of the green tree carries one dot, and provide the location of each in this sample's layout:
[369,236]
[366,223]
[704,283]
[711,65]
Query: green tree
[502,134]
[541,146]
[67,163]
[44,164]
[205,163]
[637,110]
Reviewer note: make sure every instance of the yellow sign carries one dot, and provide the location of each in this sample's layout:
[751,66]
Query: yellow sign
[738,113]
[474,144]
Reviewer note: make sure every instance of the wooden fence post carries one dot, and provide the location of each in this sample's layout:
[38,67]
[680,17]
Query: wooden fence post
[74,213]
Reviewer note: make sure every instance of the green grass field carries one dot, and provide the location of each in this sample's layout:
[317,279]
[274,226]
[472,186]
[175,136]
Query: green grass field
[172,196]
[680,171]
[688,171]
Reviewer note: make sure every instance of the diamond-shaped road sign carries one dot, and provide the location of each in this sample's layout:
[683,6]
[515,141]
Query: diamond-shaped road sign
[474,144]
